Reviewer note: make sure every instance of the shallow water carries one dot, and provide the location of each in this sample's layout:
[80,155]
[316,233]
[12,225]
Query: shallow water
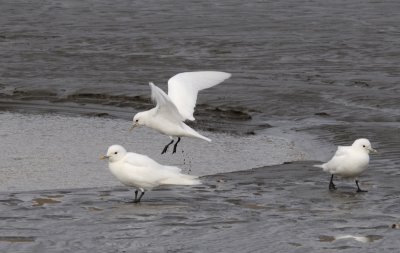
[307,76]
[284,208]
[54,151]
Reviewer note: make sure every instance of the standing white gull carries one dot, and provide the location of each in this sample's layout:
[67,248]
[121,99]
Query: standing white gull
[142,172]
[349,161]
[173,109]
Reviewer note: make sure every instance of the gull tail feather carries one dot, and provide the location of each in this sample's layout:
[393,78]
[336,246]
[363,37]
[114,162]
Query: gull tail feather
[182,179]
[203,138]
[322,166]
[195,134]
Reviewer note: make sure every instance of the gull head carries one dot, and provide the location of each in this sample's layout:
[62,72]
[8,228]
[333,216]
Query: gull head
[138,120]
[364,144]
[114,153]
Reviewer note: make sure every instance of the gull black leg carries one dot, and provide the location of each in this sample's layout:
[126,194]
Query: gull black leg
[176,144]
[137,200]
[141,195]
[332,186]
[358,187]
[166,147]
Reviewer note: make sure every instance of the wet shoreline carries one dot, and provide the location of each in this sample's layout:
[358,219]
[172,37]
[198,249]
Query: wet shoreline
[40,151]
[279,208]
[209,118]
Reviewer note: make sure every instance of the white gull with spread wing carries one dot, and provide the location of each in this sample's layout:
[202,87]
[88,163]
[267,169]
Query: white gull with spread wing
[173,109]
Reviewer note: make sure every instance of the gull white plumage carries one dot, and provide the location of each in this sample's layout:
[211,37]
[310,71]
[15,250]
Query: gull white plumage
[142,172]
[349,161]
[173,109]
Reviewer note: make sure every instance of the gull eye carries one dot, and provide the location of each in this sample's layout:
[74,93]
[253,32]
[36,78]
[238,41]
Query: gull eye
[115,152]
[137,120]
[363,146]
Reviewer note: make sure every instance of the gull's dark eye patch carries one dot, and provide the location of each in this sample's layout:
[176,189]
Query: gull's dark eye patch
[137,120]
[115,152]
[364,146]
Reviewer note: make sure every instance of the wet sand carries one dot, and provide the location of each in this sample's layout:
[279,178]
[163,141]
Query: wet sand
[282,208]
[54,151]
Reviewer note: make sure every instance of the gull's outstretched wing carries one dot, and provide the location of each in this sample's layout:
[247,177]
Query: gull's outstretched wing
[183,88]
[165,107]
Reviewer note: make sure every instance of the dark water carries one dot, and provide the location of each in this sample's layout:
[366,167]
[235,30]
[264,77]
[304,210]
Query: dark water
[338,57]
[285,208]
[312,74]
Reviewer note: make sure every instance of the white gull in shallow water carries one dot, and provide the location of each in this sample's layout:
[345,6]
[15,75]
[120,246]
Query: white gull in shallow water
[173,109]
[349,161]
[142,172]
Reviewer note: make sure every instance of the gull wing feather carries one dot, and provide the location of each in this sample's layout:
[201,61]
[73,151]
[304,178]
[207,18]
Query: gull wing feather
[337,158]
[144,168]
[139,160]
[183,89]
[165,107]
[135,159]
[147,173]
[342,150]
[341,155]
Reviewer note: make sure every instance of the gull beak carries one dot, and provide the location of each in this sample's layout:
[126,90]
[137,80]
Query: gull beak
[373,150]
[104,157]
[133,126]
